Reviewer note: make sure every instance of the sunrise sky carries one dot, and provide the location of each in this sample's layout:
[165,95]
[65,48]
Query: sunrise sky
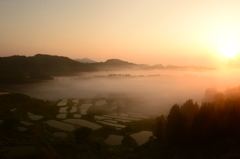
[181,32]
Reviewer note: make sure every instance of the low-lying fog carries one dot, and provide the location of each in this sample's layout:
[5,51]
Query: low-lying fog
[157,90]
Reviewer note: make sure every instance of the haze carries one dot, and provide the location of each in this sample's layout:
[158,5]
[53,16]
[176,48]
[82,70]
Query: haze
[199,32]
[153,94]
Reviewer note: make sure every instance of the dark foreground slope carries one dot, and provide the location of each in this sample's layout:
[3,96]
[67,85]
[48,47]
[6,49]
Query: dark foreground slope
[209,131]
[22,69]
[22,136]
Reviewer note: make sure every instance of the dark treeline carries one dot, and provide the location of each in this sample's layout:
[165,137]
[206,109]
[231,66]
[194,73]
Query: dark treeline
[208,131]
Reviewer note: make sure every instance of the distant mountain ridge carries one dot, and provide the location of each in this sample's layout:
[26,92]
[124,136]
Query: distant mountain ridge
[118,62]
[22,69]
[52,65]
[114,64]
[85,60]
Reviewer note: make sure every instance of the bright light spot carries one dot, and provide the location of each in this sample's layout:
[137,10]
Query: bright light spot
[228,49]
[226,42]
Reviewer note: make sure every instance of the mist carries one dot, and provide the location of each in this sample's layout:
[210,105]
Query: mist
[156,91]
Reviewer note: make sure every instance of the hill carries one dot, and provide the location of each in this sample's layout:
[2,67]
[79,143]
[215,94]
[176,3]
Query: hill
[58,65]
[22,69]
[114,64]
[85,60]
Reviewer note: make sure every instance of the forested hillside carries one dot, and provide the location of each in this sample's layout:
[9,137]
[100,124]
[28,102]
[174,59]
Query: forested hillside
[22,69]
[210,130]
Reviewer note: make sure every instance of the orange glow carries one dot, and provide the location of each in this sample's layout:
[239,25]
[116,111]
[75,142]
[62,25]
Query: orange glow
[139,31]
[227,43]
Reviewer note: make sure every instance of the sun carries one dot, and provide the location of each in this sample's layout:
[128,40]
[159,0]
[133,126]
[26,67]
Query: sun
[228,49]
[226,42]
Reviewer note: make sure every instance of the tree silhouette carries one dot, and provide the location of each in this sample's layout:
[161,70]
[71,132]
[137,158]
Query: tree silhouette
[205,124]
[175,126]
[82,134]
[160,122]
[189,110]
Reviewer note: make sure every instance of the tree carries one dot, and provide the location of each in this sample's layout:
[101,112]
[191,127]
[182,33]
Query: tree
[160,122]
[204,127]
[176,132]
[82,134]
[189,110]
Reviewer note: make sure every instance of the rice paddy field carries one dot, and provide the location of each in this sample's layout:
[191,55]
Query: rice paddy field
[73,115]
[113,117]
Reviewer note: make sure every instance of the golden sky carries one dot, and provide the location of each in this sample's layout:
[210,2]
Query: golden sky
[181,32]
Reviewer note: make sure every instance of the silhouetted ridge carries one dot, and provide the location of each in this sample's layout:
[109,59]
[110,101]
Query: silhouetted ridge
[114,64]
[85,60]
[22,69]
[57,65]
[117,62]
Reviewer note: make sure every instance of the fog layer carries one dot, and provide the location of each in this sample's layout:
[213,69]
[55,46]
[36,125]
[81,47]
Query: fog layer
[155,90]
